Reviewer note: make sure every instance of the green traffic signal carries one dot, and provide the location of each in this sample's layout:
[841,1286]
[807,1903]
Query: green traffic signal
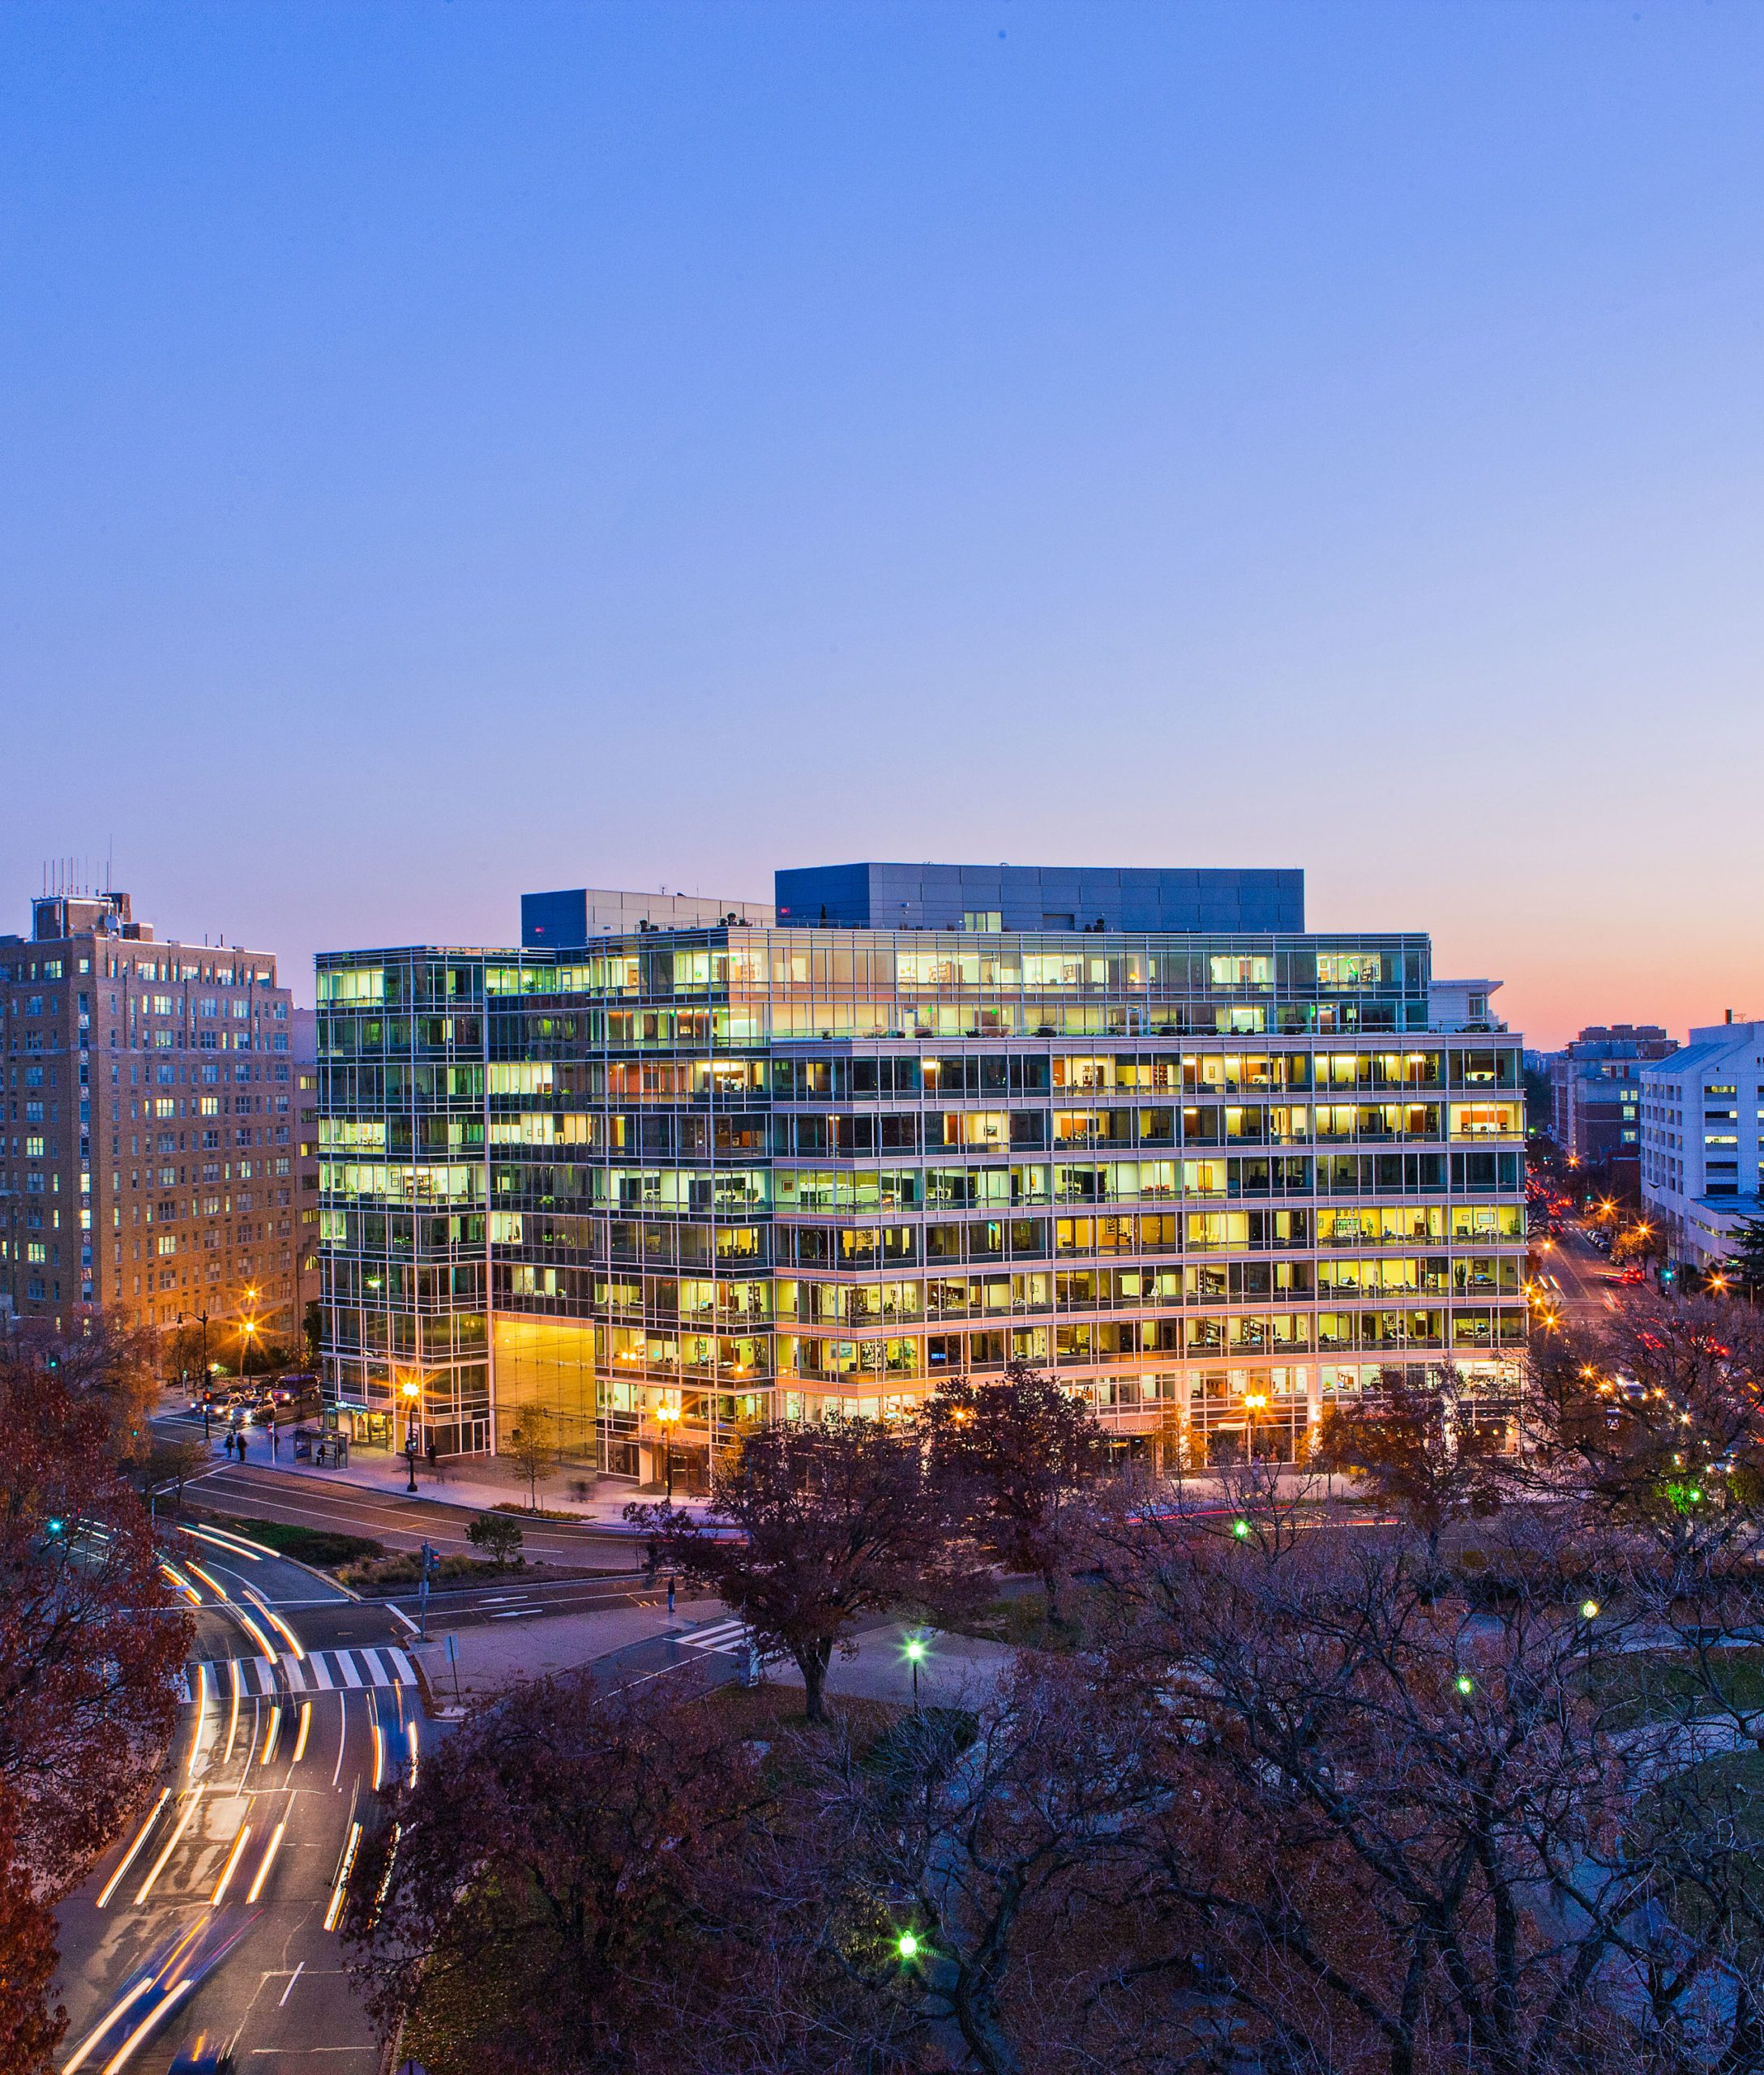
[1465,1683]
[906,1945]
[1240,1528]
[56,1525]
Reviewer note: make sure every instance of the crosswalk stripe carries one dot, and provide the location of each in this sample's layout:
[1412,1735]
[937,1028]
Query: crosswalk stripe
[322,1671]
[722,1635]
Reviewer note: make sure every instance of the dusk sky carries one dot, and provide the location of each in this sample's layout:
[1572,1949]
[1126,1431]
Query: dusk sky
[455,449]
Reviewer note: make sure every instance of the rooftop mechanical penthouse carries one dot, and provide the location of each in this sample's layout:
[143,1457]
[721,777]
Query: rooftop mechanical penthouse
[671,1176]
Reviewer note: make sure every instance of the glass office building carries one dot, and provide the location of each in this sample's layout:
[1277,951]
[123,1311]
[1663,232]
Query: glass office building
[664,1181]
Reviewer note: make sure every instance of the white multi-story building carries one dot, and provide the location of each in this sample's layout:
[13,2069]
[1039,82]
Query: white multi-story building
[1700,1124]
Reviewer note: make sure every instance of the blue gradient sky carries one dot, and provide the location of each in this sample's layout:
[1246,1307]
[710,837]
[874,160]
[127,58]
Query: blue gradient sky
[454,449]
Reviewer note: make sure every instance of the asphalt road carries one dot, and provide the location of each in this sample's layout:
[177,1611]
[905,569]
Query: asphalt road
[1582,1272]
[389,1517]
[209,1919]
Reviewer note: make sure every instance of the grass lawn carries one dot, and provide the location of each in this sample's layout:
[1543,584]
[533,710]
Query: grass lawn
[1019,1617]
[767,1711]
[321,1547]
[1728,1792]
[1660,1685]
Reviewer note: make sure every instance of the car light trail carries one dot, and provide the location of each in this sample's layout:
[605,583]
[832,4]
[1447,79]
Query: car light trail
[236,1544]
[202,1720]
[146,2024]
[412,1735]
[214,1584]
[379,1747]
[266,1648]
[266,1861]
[146,1889]
[275,1731]
[234,1858]
[233,1713]
[344,1870]
[183,1586]
[94,2037]
[300,1740]
[275,1622]
[128,1857]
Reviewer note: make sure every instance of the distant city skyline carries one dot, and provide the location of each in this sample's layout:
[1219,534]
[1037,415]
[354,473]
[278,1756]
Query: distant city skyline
[452,452]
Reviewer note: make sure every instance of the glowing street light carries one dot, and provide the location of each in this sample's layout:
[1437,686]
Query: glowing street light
[1465,1684]
[411,1391]
[665,1416]
[915,1656]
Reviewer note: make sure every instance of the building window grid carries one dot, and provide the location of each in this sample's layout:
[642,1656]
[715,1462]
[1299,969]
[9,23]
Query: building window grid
[554,1284]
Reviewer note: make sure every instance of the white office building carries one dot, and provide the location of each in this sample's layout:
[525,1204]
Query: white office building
[1700,1109]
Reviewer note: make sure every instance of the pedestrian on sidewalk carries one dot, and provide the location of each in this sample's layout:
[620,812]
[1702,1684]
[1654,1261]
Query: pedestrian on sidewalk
[431,1454]
[241,1445]
[228,1444]
[670,1595]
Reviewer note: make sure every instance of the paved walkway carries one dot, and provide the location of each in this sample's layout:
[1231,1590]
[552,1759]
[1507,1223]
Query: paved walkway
[477,1481]
[499,1654]
[956,1670]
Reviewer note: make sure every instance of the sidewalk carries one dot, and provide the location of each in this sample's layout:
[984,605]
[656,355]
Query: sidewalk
[498,1654]
[956,1671]
[475,1482]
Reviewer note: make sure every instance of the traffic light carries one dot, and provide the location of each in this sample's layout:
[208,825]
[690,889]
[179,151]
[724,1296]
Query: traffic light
[56,1526]
[907,1945]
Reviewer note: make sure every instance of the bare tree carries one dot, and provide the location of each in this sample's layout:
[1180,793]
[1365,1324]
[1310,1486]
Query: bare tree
[1649,1425]
[1408,1831]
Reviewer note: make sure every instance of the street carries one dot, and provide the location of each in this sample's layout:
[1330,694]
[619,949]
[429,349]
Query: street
[388,1517]
[212,1916]
[1582,1272]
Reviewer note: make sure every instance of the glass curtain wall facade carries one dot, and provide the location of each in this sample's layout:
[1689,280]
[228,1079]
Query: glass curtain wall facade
[728,1174]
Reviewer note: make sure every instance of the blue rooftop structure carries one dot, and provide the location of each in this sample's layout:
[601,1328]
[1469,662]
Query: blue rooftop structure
[1175,899]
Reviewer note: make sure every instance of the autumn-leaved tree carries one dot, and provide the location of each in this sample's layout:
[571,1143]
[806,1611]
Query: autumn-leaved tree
[809,1527]
[90,1639]
[1416,1447]
[1016,1455]
[556,1878]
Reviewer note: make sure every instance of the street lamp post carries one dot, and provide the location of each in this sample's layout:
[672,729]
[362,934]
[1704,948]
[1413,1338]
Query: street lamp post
[412,1391]
[915,1654]
[666,1415]
[1254,1402]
